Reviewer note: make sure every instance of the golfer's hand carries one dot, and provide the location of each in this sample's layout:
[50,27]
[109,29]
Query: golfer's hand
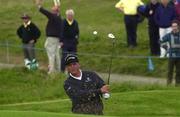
[32,41]
[105,89]
[61,44]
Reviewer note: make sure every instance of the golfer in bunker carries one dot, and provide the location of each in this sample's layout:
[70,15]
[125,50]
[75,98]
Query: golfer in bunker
[84,88]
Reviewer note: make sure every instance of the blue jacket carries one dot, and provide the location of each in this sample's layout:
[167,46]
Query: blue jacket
[164,16]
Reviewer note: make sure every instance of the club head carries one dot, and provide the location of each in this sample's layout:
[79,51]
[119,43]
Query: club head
[111,36]
[95,32]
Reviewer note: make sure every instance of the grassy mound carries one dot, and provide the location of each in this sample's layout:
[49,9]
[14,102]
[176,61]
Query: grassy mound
[94,52]
[23,90]
[137,103]
[39,114]
[21,85]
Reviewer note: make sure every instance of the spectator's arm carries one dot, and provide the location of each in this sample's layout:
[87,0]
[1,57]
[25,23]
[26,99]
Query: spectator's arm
[119,6]
[165,39]
[174,16]
[62,32]
[140,2]
[37,33]
[19,32]
[156,17]
[77,31]
[45,12]
[147,11]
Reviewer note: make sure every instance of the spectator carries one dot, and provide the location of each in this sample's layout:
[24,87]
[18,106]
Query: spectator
[70,36]
[84,88]
[172,2]
[29,33]
[153,28]
[53,33]
[173,38]
[177,8]
[129,8]
[164,15]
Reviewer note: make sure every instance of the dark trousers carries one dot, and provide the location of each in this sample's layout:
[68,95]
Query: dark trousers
[131,29]
[65,51]
[29,51]
[173,63]
[154,40]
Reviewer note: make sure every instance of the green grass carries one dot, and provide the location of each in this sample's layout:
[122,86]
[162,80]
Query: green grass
[26,93]
[34,93]
[95,15]
[21,85]
[138,103]
[39,114]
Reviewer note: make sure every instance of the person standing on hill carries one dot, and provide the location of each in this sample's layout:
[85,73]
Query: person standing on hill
[164,15]
[172,2]
[173,38]
[177,8]
[129,8]
[70,36]
[29,33]
[53,33]
[84,88]
[153,28]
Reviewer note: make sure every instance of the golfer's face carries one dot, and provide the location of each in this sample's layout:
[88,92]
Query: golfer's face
[73,68]
[25,20]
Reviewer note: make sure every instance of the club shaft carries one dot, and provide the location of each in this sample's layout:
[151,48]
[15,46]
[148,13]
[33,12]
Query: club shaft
[110,66]
[55,2]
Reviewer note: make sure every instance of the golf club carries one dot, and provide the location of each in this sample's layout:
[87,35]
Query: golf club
[112,37]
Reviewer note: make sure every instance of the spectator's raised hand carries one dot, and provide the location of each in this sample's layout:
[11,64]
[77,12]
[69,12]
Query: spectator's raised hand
[38,2]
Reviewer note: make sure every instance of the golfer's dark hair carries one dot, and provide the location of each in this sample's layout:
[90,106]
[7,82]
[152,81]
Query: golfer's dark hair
[176,21]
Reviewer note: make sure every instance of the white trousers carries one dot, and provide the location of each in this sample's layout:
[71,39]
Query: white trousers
[162,33]
[52,49]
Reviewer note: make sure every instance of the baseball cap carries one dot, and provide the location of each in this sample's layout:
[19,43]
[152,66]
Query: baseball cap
[25,16]
[71,58]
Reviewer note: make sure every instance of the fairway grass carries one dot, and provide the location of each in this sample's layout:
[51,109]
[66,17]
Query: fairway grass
[40,114]
[125,104]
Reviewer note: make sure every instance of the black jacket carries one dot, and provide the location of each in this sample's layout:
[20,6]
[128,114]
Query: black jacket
[70,33]
[31,32]
[150,17]
[85,93]
[54,25]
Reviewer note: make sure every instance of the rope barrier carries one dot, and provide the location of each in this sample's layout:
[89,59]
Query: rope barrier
[91,54]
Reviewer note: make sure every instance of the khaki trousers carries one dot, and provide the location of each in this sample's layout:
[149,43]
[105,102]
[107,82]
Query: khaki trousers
[52,49]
